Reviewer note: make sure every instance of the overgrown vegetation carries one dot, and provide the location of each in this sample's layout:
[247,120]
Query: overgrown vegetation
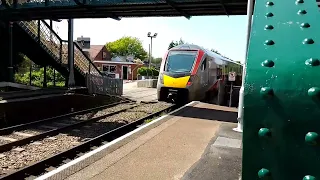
[176,43]
[150,120]
[145,71]
[37,75]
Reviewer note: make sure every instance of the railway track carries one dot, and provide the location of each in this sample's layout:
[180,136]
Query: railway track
[25,133]
[63,144]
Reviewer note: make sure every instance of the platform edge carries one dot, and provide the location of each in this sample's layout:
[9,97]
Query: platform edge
[92,156]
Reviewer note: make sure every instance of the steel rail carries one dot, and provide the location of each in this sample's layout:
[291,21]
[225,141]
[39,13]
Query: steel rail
[41,167]
[10,129]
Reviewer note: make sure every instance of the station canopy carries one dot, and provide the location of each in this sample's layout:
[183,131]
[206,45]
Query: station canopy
[65,9]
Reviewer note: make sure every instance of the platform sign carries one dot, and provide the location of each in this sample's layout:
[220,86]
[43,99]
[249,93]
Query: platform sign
[232,76]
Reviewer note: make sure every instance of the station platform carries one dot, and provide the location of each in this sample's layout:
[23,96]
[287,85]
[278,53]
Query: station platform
[194,142]
[133,92]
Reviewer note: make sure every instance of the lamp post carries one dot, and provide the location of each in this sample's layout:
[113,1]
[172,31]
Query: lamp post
[150,51]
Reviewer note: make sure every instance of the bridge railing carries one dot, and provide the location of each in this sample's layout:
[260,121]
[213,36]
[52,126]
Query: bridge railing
[41,32]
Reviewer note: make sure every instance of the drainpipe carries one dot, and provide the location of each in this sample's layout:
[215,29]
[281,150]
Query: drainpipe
[241,93]
[10,67]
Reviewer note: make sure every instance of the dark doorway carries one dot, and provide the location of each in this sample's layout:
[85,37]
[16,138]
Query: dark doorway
[124,72]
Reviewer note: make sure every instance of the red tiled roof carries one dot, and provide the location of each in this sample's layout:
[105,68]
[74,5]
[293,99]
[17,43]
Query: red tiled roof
[94,50]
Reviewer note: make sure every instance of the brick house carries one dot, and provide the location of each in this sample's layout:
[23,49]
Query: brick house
[102,58]
[122,70]
[99,53]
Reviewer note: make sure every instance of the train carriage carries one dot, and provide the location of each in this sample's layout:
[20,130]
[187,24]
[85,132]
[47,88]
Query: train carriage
[189,73]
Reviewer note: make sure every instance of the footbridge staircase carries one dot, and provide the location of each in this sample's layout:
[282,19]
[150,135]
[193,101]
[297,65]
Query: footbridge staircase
[42,44]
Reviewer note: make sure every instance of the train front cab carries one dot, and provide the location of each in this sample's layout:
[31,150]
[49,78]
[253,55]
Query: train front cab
[178,80]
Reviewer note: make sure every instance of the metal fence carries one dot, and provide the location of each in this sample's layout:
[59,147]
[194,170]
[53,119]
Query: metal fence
[104,85]
[232,93]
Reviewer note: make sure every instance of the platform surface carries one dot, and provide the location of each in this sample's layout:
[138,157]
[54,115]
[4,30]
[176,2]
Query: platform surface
[131,91]
[197,143]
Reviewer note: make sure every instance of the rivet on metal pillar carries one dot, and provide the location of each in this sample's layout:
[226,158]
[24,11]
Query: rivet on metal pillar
[281,126]
[10,67]
[71,82]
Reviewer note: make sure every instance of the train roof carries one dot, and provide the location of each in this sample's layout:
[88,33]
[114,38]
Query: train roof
[210,53]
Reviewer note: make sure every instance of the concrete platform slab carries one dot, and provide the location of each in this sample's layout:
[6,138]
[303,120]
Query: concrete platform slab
[181,147]
[133,92]
[219,162]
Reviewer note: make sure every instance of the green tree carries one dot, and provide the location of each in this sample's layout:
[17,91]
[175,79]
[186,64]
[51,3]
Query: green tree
[127,46]
[156,60]
[176,43]
[171,45]
[215,51]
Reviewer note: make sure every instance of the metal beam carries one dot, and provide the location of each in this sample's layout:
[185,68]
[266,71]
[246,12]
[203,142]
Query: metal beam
[10,67]
[172,4]
[110,15]
[71,81]
[78,2]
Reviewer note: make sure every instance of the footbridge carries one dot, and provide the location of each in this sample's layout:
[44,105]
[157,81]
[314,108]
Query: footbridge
[65,9]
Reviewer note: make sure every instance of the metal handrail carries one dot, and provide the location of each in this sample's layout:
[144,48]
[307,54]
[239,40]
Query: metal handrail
[40,34]
[88,58]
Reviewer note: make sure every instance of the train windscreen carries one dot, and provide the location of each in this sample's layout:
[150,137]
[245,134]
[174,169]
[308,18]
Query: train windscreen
[180,61]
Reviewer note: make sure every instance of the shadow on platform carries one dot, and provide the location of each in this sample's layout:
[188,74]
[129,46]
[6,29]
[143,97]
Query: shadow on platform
[207,114]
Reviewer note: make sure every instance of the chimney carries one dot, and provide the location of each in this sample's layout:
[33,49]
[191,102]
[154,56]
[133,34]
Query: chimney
[84,43]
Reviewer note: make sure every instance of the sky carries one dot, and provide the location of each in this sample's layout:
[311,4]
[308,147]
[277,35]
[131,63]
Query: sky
[225,34]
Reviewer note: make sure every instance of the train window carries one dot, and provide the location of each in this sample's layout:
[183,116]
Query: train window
[219,73]
[180,61]
[204,64]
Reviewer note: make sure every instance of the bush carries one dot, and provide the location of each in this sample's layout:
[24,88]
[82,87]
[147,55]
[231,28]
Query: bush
[155,72]
[142,71]
[145,71]
[37,77]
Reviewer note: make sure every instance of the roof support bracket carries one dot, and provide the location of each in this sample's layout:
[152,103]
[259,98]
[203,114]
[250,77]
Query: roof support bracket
[224,8]
[116,18]
[172,4]
[80,3]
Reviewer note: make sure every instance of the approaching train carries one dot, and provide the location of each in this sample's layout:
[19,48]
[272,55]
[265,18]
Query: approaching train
[191,73]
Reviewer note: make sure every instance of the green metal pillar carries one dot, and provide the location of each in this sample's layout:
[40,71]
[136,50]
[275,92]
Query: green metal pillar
[281,127]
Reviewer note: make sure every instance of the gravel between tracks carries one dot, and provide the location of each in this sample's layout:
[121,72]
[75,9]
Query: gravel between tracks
[37,129]
[3,142]
[31,153]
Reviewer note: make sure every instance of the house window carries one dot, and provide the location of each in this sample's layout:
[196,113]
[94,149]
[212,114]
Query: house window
[104,55]
[109,68]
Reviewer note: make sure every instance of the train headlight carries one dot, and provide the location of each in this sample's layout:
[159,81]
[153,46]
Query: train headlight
[161,79]
[189,83]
